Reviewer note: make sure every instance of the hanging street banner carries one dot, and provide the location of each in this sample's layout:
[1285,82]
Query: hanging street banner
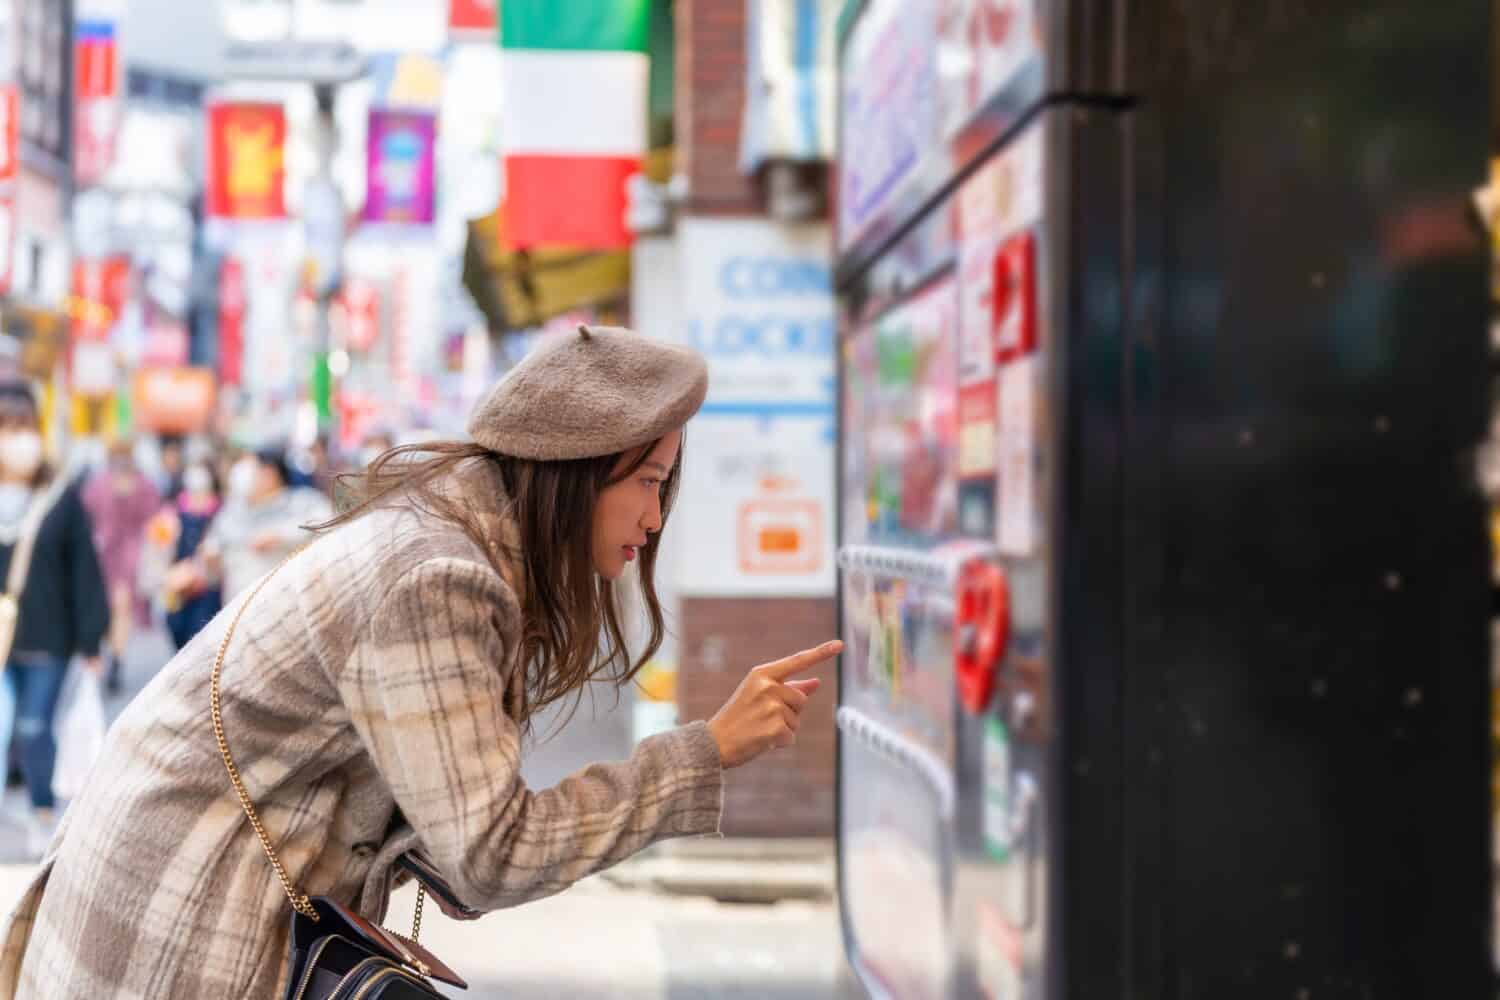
[100,288]
[580,132]
[96,95]
[232,307]
[246,173]
[401,154]
[10,164]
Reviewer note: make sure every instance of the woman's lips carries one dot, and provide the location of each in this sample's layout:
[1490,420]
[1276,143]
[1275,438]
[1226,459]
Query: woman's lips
[629,552]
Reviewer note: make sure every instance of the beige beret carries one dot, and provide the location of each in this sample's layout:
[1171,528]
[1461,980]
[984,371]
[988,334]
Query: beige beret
[600,391]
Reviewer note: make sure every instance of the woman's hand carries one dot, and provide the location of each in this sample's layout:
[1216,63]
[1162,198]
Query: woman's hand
[766,709]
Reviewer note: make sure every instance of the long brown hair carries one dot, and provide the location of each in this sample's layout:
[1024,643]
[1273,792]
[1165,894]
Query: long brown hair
[571,632]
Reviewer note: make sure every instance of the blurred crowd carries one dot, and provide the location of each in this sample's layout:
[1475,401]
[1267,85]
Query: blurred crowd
[138,534]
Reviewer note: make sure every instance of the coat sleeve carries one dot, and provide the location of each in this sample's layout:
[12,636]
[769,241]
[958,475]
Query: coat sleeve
[85,580]
[425,689]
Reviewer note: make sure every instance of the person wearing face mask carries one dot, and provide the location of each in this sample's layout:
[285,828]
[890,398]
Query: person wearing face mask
[262,522]
[121,500]
[192,598]
[63,607]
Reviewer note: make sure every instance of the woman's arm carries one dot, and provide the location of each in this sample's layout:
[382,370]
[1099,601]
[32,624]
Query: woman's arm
[426,691]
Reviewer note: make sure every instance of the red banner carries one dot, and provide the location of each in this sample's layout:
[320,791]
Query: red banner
[361,304]
[96,91]
[231,321]
[10,132]
[472,18]
[100,288]
[7,240]
[246,174]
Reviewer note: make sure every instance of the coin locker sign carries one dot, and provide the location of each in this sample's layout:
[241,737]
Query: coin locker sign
[756,506]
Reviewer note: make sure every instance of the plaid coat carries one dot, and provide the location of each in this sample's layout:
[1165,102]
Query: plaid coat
[369,699]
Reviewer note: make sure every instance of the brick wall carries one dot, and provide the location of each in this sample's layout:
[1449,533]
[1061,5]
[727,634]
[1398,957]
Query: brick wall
[786,793]
[710,100]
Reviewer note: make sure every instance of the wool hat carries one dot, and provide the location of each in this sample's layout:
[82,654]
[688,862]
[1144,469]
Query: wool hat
[600,392]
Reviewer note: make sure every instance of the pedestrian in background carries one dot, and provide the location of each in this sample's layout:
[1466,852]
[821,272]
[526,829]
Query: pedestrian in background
[375,691]
[191,598]
[173,458]
[261,524]
[121,501]
[63,607]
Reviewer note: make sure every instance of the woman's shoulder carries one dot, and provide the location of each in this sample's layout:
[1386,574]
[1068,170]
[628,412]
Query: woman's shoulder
[394,547]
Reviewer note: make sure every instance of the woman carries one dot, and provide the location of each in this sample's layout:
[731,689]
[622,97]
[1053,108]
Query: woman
[63,609]
[376,692]
[192,599]
[121,501]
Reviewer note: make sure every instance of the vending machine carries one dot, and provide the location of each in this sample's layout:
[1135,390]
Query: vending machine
[1162,560]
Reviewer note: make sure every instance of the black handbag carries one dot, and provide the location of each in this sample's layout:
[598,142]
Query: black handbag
[334,953]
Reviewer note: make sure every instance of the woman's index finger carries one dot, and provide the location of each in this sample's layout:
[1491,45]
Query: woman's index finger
[798,662]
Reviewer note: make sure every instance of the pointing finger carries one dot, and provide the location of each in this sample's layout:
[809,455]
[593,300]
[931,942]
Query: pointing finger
[805,660]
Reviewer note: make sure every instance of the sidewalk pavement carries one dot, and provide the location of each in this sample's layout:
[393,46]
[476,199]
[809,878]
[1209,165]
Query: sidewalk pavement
[733,870]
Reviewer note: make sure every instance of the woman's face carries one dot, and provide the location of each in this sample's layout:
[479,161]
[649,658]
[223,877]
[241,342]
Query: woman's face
[630,510]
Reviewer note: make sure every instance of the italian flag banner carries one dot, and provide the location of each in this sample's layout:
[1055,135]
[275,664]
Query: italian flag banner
[574,78]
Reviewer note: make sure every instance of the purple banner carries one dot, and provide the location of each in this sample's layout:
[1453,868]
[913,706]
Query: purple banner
[400,154]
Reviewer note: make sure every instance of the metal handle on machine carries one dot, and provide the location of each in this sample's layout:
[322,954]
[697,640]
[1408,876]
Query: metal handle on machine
[886,742]
[938,568]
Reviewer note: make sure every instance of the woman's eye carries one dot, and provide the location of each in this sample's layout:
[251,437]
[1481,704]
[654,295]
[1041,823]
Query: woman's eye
[651,483]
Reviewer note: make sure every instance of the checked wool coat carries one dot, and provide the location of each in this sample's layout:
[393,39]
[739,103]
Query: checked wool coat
[370,694]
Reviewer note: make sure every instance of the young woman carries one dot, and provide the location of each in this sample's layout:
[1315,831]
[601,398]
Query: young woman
[63,606]
[376,690]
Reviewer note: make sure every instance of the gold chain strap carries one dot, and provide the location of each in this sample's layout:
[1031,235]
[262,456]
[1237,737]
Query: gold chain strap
[298,898]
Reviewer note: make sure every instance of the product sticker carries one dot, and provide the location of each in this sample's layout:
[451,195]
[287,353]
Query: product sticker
[977,413]
[1018,521]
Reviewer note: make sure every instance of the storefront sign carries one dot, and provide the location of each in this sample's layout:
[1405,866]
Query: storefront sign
[757,500]
[245,170]
[401,153]
[174,400]
[472,19]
